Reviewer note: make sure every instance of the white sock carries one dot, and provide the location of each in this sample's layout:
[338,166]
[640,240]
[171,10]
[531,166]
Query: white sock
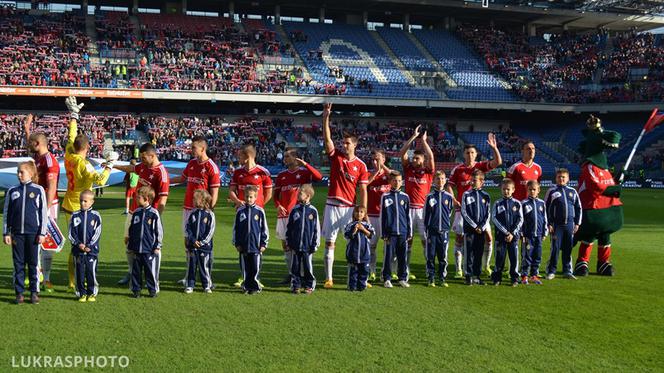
[372,261]
[486,258]
[46,264]
[288,257]
[329,263]
[458,258]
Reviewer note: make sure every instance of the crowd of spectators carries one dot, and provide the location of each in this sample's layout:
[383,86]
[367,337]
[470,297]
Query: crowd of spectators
[12,136]
[562,69]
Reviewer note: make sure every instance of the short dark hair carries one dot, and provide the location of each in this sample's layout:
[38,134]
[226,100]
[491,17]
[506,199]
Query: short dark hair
[468,146]
[419,152]
[478,173]
[199,139]
[562,171]
[394,174]
[147,148]
[352,137]
[378,151]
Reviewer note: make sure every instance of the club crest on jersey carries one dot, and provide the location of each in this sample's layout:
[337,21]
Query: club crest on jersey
[447,202]
[401,202]
[541,208]
[149,221]
[514,208]
[570,194]
[243,217]
[77,221]
[256,217]
[388,202]
[204,220]
[311,216]
[483,201]
[32,194]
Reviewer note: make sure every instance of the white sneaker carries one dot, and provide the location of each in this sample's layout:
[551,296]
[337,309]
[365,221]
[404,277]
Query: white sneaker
[550,276]
[388,284]
[188,290]
[208,291]
[404,284]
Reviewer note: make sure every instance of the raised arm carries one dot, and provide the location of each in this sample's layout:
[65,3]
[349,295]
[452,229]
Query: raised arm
[430,162]
[26,127]
[493,144]
[403,153]
[327,133]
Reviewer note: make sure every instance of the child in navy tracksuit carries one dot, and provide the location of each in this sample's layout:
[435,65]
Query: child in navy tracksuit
[563,209]
[358,233]
[303,238]
[145,239]
[24,228]
[199,233]
[397,229]
[84,235]
[533,233]
[437,210]
[475,210]
[508,219]
[250,235]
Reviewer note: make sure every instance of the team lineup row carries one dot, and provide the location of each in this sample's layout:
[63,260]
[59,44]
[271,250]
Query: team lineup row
[349,178]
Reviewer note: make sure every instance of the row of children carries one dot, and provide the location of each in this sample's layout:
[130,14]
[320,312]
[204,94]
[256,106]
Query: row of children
[528,221]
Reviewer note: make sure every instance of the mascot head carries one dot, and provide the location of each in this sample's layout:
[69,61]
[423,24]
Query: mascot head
[596,141]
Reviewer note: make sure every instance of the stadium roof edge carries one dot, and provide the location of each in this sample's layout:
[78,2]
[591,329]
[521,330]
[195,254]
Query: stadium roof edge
[550,16]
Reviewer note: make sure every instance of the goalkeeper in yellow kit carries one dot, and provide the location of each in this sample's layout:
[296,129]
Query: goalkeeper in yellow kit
[81,175]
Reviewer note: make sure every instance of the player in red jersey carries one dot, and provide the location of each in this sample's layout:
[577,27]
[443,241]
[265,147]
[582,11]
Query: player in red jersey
[200,173]
[460,178]
[523,171]
[286,188]
[249,173]
[48,171]
[347,173]
[378,184]
[151,173]
[418,173]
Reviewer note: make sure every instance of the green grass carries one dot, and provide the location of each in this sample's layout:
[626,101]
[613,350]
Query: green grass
[595,323]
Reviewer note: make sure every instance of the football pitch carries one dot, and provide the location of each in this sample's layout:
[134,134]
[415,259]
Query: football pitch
[593,324]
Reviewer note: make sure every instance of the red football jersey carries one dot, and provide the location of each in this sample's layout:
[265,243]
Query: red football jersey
[521,174]
[156,177]
[258,176]
[418,185]
[287,184]
[345,175]
[48,169]
[199,175]
[461,175]
[593,181]
[375,190]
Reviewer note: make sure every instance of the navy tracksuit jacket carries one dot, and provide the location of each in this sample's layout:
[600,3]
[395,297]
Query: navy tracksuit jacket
[396,228]
[475,210]
[563,210]
[438,207]
[358,254]
[303,239]
[507,219]
[200,228]
[24,219]
[535,228]
[250,233]
[146,235]
[85,228]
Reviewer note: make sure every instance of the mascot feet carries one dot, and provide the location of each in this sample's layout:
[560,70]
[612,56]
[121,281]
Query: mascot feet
[605,269]
[581,269]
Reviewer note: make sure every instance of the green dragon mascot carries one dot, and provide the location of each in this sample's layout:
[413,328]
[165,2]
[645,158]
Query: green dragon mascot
[600,199]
